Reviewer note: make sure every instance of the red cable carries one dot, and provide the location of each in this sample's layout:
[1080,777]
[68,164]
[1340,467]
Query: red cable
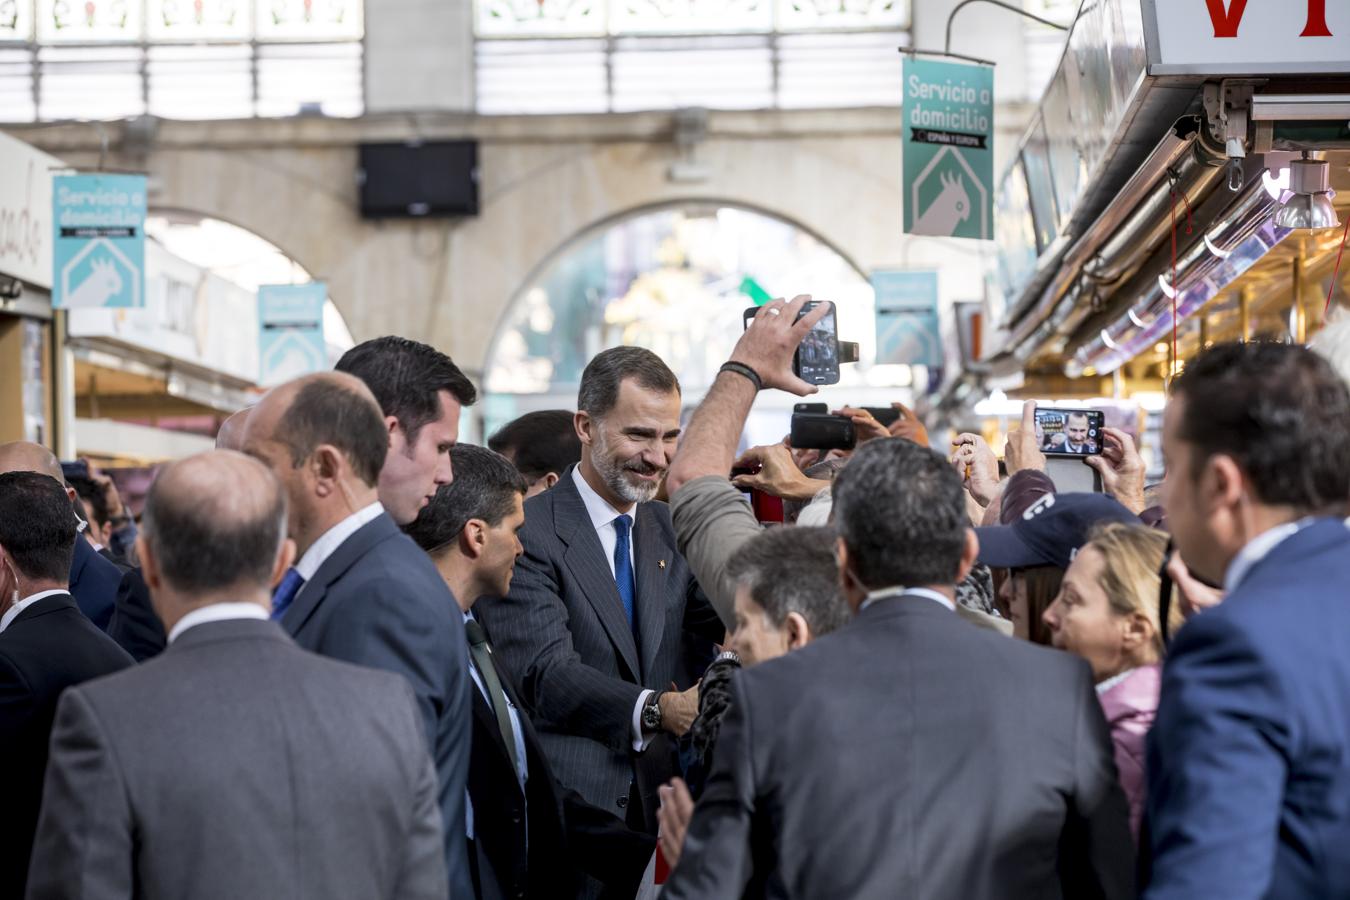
[1336,271]
[1175,291]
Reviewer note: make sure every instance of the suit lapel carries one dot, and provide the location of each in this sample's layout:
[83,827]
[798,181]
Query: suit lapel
[585,559]
[652,561]
[348,552]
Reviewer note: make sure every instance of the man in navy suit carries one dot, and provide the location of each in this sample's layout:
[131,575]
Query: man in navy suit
[601,600]
[1249,757]
[360,590]
[93,579]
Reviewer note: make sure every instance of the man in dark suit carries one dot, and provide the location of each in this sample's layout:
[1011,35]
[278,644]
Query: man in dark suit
[93,580]
[46,645]
[361,591]
[908,753]
[1249,757]
[235,764]
[527,836]
[601,600]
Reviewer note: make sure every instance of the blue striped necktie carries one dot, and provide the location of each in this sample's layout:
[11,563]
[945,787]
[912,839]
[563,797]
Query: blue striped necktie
[285,592]
[623,568]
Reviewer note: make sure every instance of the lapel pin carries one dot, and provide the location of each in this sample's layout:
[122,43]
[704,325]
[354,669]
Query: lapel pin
[660,563]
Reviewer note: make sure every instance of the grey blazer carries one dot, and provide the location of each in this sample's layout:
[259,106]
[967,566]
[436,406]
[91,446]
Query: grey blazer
[378,601]
[911,755]
[563,635]
[237,765]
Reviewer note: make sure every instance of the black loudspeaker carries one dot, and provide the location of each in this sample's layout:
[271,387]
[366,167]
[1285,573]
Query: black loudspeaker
[414,179]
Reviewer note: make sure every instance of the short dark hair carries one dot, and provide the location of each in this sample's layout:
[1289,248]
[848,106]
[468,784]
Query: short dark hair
[204,542]
[793,569]
[900,512]
[324,411]
[485,487]
[91,495]
[609,369]
[406,378]
[37,525]
[1280,411]
[539,442]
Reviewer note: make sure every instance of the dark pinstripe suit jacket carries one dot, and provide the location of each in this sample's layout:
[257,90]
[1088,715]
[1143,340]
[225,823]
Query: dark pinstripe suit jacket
[563,635]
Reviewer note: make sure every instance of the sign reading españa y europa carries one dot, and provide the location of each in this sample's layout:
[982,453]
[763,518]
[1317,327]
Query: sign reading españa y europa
[948,149]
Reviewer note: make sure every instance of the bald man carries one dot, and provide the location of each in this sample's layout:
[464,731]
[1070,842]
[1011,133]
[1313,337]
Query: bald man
[93,579]
[361,590]
[235,764]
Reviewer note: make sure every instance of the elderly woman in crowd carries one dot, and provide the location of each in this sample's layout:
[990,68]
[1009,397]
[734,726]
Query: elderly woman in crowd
[1107,613]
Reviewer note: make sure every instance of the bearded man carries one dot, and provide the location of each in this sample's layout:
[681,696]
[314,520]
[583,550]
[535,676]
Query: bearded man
[601,600]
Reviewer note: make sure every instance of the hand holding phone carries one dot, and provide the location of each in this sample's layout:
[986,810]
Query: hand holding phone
[1070,432]
[778,344]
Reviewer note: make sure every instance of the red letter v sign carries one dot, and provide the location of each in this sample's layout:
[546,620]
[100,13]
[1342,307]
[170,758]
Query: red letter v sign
[1226,21]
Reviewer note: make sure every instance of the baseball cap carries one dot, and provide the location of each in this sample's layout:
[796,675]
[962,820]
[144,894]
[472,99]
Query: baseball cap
[1050,531]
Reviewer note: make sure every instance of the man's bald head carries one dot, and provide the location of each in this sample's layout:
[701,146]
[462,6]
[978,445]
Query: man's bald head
[215,521]
[25,456]
[325,408]
[231,433]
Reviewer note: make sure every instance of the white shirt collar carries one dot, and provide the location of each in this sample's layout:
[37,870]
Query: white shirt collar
[217,612]
[1104,686]
[334,537]
[13,612]
[882,594]
[1257,549]
[597,507]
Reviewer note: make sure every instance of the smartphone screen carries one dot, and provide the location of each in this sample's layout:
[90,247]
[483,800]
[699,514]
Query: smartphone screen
[1070,432]
[817,359]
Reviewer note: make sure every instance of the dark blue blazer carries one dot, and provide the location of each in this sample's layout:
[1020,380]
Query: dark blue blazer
[378,601]
[1249,757]
[93,583]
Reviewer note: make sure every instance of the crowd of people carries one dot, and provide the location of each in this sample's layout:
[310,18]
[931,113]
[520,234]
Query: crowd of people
[346,655]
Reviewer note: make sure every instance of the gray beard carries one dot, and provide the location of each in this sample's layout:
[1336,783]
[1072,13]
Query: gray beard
[612,474]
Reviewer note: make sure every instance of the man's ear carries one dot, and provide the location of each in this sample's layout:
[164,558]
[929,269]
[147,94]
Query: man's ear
[149,565]
[798,631]
[551,479]
[969,554]
[473,539]
[326,464]
[396,435]
[1223,481]
[583,423]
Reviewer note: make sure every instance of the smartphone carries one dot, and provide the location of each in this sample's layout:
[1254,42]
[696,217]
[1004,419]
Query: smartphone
[817,359]
[77,469]
[1070,432]
[811,407]
[886,415]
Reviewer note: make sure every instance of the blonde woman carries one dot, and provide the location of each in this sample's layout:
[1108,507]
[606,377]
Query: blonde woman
[1107,612]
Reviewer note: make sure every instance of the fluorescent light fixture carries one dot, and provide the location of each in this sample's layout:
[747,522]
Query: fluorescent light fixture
[1138,322]
[1169,291]
[1214,248]
[1110,344]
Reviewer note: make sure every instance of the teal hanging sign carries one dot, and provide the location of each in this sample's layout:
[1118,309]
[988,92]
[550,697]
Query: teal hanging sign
[948,149]
[98,251]
[290,331]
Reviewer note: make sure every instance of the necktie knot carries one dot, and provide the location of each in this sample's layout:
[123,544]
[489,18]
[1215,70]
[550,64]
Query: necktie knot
[474,631]
[622,526]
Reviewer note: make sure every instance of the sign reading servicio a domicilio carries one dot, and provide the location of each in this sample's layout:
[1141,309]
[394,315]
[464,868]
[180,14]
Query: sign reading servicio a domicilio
[948,149]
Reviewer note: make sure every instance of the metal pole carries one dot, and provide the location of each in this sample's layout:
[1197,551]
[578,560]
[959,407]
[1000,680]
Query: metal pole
[1245,314]
[1300,334]
[1008,6]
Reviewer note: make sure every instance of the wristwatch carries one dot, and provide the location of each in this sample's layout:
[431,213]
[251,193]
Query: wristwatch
[651,713]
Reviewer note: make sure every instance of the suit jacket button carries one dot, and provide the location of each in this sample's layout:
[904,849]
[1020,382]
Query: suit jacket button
[515,818]
[623,802]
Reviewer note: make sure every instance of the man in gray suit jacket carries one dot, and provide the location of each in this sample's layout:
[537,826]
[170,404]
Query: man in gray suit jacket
[601,601]
[909,754]
[234,764]
[361,591]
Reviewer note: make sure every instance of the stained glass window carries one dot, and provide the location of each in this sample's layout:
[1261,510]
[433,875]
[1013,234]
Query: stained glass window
[72,21]
[199,20]
[181,59]
[16,20]
[558,18]
[309,20]
[541,18]
[810,15]
[685,16]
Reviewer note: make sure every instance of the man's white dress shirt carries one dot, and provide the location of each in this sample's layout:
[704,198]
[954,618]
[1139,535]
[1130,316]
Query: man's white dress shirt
[217,612]
[13,612]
